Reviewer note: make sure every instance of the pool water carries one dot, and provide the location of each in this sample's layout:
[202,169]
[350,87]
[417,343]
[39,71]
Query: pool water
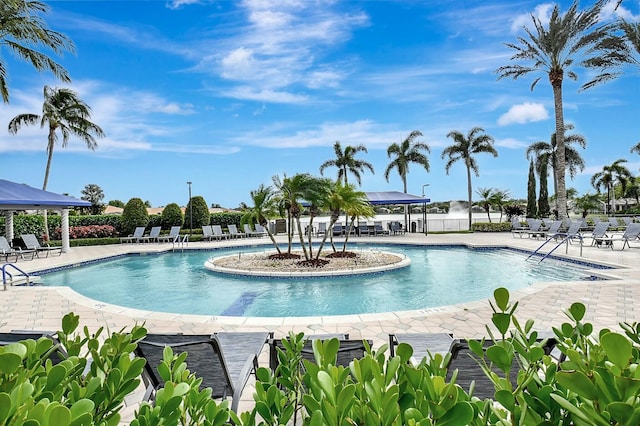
[437,276]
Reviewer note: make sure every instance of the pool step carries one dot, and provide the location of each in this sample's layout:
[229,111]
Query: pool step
[22,280]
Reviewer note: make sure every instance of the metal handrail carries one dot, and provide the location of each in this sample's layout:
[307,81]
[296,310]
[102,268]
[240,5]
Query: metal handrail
[566,240]
[6,273]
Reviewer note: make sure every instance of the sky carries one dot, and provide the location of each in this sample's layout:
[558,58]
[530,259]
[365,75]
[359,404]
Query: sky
[228,94]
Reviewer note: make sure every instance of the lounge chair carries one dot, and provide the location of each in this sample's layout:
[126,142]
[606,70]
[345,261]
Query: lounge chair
[396,228]
[56,354]
[463,360]
[240,346]
[630,234]
[205,359]
[218,234]
[233,231]
[349,349]
[363,229]
[553,229]
[516,225]
[249,233]
[422,343]
[598,233]
[532,228]
[338,230]
[322,229]
[139,232]
[32,243]
[172,237]
[260,229]
[378,229]
[207,233]
[7,251]
[152,237]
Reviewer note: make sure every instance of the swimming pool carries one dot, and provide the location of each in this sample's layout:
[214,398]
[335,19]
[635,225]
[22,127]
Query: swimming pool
[437,276]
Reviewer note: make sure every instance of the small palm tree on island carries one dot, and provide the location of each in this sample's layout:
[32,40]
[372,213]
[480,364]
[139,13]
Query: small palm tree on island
[555,49]
[62,111]
[404,153]
[464,148]
[264,208]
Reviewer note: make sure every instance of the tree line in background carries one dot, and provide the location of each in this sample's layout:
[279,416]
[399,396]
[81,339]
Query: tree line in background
[555,50]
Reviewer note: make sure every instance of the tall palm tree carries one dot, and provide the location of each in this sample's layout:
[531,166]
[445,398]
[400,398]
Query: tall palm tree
[264,207]
[404,153]
[542,151]
[346,162]
[607,178]
[631,34]
[65,112]
[23,32]
[636,148]
[575,38]
[464,148]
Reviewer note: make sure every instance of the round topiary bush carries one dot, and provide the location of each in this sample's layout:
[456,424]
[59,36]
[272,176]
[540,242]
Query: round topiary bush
[134,214]
[200,210]
[171,216]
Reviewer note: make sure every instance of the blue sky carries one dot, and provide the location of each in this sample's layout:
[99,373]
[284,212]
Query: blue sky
[227,94]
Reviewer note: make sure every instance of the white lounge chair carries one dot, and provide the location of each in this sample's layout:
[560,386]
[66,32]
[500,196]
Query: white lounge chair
[207,233]
[249,232]
[630,234]
[598,233]
[174,233]
[152,237]
[6,250]
[218,234]
[233,231]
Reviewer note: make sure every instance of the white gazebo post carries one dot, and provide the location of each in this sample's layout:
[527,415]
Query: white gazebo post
[66,248]
[8,225]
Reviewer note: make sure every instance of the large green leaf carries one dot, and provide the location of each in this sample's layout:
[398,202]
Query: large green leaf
[501,295]
[618,349]
[460,414]
[10,362]
[578,382]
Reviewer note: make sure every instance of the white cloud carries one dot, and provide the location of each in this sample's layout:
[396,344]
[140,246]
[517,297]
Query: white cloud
[511,143]
[264,95]
[524,113]
[177,4]
[541,12]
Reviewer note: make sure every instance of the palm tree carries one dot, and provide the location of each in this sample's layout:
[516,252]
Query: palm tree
[499,198]
[264,208]
[406,152]
[636,148]
[608,177]
[587,202]
[22,31]
[486,195]
[62,111]
[631,34]
[546,152]
[464,148]
[346,162]
[576,38]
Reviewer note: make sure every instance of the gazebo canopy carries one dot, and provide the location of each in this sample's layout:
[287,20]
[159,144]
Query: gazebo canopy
[18,196]
[394,197]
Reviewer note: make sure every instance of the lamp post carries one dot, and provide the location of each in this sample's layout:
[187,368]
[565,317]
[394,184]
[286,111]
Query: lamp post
[424,211]
[190,210]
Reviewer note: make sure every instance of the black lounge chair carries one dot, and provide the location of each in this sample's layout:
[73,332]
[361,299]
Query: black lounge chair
[421,343]
[464,361]
[225,373]
[15,336]
[32,243]
[349,349]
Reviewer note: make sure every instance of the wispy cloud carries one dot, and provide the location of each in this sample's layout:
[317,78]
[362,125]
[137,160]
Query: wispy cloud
[524,113]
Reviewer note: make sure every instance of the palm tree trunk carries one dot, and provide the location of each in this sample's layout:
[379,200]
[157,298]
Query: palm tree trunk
[561,194]
[469,193]
[309,235]
[50,146]
[346,237]
[301,236]
[265,225]
[324,239]
[406,206]
[289,231]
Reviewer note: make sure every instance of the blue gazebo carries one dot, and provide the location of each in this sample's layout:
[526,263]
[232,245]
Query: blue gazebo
[17,196]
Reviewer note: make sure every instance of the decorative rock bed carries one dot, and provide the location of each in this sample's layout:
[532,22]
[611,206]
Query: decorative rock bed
[260,264]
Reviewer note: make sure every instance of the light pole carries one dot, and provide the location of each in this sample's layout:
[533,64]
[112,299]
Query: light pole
[424,211]
[190,211]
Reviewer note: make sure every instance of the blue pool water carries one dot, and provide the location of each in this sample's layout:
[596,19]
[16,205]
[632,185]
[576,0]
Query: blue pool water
[437,276]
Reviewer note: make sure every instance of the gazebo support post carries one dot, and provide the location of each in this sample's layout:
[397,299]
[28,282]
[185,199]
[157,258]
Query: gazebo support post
[8,225]
[66,248]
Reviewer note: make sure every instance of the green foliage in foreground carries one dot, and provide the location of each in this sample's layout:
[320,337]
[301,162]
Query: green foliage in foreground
[594,381]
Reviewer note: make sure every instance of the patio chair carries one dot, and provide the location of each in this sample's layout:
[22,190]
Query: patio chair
[598,233]
[338,230]
[260,229]
[32,243]
[218,234]
[205,359]
[363,229]
[322,229]
[6,250]
[553,229]
[172,237]
[463,360]
[137,233]
[349,349]
[56,353]
[249,233]
[152,237]
[422,344]
[207,233]
[630,234]
[378,229]
[233,231]
[396,228]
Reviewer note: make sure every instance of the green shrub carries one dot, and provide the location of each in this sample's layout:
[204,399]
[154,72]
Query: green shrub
[491,227]
[171,216]
[198,211]
[134,215]
[154,220]
[226,218]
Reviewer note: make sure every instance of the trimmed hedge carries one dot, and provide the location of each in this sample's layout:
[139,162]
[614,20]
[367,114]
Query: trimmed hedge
[491,227]
[226,218]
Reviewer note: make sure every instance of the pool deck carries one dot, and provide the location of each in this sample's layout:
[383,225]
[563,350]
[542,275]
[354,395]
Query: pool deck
[608,302]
